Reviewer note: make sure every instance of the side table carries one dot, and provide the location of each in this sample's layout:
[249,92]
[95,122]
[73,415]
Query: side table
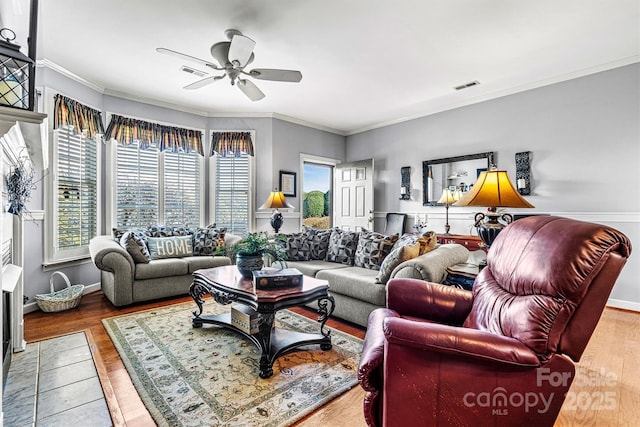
[463,275]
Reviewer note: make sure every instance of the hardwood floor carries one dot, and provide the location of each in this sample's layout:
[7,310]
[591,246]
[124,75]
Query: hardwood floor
[610,367]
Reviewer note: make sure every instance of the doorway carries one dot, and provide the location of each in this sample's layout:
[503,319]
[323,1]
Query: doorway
[317,203]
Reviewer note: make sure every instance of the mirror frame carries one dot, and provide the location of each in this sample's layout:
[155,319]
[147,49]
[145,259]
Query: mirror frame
[425,171]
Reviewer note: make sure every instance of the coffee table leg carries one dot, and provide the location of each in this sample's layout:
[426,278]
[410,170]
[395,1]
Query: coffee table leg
[325,308]
[197,290]
[264,338]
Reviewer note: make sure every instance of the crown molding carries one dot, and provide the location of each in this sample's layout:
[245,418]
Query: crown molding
[436,108]
[45,63]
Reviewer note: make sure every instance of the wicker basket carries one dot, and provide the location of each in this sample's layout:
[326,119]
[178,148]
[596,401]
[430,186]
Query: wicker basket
[60,300]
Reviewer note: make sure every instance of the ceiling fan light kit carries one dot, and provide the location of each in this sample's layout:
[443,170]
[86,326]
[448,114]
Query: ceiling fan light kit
[232,57]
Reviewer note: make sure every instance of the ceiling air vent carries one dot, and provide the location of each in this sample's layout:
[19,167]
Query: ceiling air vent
[193,71]
[466,85]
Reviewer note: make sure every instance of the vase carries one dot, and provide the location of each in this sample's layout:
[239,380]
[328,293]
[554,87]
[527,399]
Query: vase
[248,263]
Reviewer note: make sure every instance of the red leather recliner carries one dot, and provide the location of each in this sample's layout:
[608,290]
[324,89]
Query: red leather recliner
[503,354]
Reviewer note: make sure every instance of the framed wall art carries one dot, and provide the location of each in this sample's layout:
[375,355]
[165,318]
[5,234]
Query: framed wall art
[288,183]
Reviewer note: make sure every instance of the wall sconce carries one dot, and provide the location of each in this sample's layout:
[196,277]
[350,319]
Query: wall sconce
[405,183]
[15,71]
[523,173]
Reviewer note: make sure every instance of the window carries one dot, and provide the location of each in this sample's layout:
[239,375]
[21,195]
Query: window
[136,186]
[74,199]
[155,187]
[232,193]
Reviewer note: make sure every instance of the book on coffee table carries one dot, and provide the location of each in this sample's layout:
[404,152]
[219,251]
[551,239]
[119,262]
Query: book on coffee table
[245,318]
[274,278]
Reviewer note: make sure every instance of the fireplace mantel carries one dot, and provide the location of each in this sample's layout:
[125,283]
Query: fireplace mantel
[23,136]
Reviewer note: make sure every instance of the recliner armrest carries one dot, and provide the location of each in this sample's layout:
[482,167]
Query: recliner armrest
[427,300]
[369,370]
[457,341]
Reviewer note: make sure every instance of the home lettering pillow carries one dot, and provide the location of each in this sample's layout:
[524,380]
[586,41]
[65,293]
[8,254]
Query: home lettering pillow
[342,246]
[207,241]
[373,248]
[169,247]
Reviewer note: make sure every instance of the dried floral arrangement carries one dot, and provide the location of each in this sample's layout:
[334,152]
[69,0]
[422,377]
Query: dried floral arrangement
[20,183]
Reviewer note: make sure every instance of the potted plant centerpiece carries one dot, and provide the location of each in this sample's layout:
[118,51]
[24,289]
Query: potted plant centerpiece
[250,251]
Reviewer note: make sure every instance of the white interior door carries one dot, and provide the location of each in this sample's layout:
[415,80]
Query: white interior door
[353,201]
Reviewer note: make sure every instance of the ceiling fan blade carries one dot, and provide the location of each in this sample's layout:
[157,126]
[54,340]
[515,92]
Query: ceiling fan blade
[181,55]
[276,75]
[240,50]
[250,89]
[203,82]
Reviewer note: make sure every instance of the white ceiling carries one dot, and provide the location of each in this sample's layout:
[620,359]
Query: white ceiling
[365,63]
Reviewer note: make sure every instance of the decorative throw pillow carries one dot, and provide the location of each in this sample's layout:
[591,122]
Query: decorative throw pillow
[168,231]
[207,241]
[119,232]
[318,242]
[428,241]
[373,248]
[297,246]
[396,257]
[169,247]
[134,243]
[342,246]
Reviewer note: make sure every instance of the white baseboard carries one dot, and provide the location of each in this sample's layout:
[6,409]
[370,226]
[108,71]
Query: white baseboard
[625,305]
[33,306]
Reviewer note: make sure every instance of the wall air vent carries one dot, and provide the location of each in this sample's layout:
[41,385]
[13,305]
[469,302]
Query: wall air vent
[466,85]
[193,71]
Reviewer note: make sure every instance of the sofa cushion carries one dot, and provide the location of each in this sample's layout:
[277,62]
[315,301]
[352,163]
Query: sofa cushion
[168,231]
[355,282]
[312,267]
[342,246]
[428,241]
[206,241]
[134,242]
[397,256]
[318,242]
[372,249]
[162,268]
[297,245]
[206,261]
[169,247]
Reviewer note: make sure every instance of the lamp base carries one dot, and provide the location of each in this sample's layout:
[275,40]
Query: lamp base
[491,227]
[276,221]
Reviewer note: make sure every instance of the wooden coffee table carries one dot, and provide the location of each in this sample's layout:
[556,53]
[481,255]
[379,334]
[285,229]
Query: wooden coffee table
[226,285]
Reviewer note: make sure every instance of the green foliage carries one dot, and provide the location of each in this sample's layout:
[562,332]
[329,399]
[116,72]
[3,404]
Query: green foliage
[327,203]
[258,243]
[314,204]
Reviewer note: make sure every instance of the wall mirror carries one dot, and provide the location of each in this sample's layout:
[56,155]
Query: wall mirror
[454,173]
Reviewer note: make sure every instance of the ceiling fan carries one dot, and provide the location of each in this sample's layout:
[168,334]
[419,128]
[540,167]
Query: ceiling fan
[233,56]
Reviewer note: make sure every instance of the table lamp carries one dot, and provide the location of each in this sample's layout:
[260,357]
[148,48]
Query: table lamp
[448,197]
[276,200]
[494,190]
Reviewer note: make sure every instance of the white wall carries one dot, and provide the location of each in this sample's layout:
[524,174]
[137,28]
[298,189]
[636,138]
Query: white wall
[584,136]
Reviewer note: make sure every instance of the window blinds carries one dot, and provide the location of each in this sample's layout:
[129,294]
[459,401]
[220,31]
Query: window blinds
[77,191]
[232,193]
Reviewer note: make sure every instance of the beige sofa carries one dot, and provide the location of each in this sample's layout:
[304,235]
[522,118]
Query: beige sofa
[355,289]
[126,282]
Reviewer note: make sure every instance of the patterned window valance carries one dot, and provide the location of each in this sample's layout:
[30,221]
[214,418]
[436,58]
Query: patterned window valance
[231,144]
[126,130]
[85,120]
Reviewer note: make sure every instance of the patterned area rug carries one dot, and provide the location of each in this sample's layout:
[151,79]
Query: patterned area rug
[209,376]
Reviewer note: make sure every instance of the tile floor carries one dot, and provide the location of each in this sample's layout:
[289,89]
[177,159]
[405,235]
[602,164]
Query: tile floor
[54,383]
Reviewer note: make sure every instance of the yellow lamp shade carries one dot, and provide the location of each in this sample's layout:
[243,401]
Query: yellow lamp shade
[493,189]
[276,200]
